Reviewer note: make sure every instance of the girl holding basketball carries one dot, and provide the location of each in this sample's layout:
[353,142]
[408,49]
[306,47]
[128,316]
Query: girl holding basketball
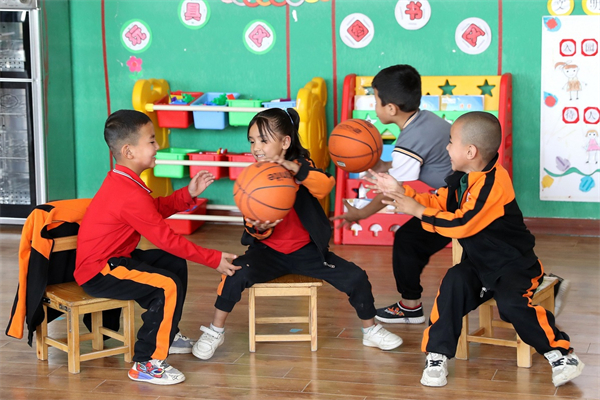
[296,244]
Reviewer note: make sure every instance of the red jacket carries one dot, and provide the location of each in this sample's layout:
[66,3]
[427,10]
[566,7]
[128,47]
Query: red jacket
[120,213]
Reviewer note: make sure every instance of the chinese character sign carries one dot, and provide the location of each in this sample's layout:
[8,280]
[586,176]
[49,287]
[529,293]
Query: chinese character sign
[473,36]
[357,30]
[412,14]
[194,13]
[259,37]
[136,36]
[570,109]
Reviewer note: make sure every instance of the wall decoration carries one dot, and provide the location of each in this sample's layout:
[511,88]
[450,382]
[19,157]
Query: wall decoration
[473,36]
[136,36]
[412,14]
[357,30]
[591,7]
[265,3]
[135,67]
[561,7]
[259,37]
[570,110]
[194,14]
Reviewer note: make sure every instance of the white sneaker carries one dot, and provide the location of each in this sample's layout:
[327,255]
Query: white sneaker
[206,346]
[157,372]
[436,370]
[564,368]
[378,336]
[181,345]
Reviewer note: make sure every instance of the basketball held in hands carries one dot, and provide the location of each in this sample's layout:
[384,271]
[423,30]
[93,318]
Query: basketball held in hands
[265,191]
[355,145]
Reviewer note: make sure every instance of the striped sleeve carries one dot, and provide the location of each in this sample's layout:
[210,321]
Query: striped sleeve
[482,206]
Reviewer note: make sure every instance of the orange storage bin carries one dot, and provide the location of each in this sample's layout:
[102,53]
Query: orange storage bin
[187,226]
[218,172]
[243,157]
[175,119]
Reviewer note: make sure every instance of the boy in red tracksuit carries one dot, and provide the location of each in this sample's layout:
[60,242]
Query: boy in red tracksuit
[478,207]
[108,263]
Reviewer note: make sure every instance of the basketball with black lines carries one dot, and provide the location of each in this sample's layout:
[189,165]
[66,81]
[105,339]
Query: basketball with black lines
[355,145]
[265,191]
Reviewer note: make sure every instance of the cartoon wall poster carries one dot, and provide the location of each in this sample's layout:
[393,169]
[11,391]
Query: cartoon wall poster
[570,109]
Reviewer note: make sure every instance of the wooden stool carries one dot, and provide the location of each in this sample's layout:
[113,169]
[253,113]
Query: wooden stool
[70,299]
[286,286]
[543,296]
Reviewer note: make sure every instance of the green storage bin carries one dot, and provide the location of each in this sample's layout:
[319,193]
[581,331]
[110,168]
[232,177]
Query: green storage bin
[243,118]
[173,171]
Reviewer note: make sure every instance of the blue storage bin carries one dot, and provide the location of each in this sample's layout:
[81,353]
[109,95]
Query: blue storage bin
[211,119]
[280,104]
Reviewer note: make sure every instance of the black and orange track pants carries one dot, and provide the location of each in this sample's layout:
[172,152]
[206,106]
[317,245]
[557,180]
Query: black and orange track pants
[461,291]
[157,281]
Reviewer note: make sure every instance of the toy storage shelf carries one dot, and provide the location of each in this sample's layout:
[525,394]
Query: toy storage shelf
[311,101]
[379,229]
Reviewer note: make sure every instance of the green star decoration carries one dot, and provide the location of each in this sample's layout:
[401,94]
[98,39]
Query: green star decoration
[486,88]
[447,88]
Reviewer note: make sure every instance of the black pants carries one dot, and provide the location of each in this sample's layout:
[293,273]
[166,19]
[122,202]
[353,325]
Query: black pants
[413,246]
[157,281]
[260,264]
[461,292]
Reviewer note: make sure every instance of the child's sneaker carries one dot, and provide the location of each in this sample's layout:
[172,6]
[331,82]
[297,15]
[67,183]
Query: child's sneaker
[158,372]
[561,289]
[564,368]
[378,336]
[397,314]
[206,346]
[181,345]
[436,370]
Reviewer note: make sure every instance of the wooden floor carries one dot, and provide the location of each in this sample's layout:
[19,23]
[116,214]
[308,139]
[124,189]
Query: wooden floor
[342,368]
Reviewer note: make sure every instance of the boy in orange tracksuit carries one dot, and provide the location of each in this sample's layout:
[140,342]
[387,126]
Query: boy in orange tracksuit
[478,207]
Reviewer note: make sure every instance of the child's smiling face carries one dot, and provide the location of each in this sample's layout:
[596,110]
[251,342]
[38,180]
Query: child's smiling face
[266,147]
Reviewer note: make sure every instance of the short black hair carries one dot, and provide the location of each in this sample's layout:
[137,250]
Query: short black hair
[122,127]
[482,130]
[399,85]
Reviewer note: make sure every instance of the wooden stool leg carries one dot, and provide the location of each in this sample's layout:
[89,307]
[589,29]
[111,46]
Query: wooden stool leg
[252,319]
[523,354]
[129,330]
[486,314]
[312,312]
[462,349]
[73,339]
[40,337]
[98,339]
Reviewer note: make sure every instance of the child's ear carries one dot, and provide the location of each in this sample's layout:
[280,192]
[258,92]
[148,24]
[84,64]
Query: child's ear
[126,152]
[286,142]
[392,109]
[472,152]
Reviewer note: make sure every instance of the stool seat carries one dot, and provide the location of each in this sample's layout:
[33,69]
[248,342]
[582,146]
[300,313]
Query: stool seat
[71,300]
[290,285]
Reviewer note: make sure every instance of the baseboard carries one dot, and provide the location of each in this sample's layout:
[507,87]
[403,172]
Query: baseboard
[564,226]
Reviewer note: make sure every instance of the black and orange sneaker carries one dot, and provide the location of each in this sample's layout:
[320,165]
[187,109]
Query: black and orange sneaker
[397,314]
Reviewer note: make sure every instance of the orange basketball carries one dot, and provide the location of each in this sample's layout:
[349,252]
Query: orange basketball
[355,145]
[265,191]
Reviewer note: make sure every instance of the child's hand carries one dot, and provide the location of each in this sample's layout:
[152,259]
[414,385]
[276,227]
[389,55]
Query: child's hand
[200,182]
[353,215]
[225,267]
[404,204]
[382,166]
[262,226]
[287,164]
[383,182]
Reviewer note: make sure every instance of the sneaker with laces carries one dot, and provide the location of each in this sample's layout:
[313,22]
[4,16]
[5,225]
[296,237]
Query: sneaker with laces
[436,370]
[564,368]
[561,289]
[378,336]
[157,372]
[206,346]
[397,314]
[181,345]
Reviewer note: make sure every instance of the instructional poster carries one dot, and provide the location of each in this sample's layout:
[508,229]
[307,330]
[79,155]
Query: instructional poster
[570,109]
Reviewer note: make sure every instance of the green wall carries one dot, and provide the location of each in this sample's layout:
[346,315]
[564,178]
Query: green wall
[214,58]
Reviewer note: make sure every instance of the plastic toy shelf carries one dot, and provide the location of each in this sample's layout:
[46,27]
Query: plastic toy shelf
[379,229]
[311,101]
